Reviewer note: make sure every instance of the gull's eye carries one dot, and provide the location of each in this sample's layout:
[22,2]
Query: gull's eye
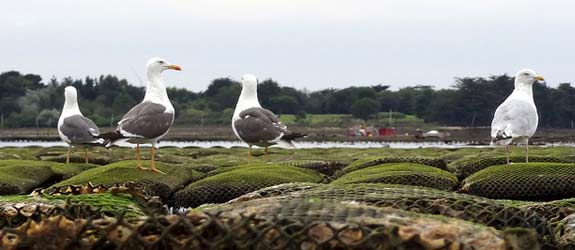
[161,62]
[527,74]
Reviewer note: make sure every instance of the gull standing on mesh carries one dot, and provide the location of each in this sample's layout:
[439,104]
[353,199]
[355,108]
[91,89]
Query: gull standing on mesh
[516,119]
[74,128]
[150,120]
[255,125]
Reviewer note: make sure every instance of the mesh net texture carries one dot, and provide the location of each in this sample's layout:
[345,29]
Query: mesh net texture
[498,214]
[227,184]
[364,163]
[325,167]
[464,170]
[402,173]
[523,181]
[265,224]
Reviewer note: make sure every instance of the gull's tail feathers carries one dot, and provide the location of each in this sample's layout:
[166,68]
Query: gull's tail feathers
[501,139]
[111,137]
[286,144]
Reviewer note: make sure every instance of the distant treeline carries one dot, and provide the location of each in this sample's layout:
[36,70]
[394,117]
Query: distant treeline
[27,101]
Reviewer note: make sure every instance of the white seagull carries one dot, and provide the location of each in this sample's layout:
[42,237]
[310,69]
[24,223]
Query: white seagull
[255,125]
[516,119]
[151,119]
[74,128]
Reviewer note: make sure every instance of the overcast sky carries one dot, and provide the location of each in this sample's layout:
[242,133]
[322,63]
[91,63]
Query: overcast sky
[299,43]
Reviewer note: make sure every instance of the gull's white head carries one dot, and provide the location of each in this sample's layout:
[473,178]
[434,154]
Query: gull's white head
[249,82]
[70,102]
[71,94]
[527,77]
[156,65]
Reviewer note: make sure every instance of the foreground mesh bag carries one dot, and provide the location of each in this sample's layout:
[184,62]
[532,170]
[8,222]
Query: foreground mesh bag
[498,214]
[523,181]
[21,176]
[565,233]
[402,173]
[463,170]
[94,206]
[373,161]
[266,224]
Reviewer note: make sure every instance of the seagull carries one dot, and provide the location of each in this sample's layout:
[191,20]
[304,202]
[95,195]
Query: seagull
[516,119]
[150,120]
[255,125]
[74,128]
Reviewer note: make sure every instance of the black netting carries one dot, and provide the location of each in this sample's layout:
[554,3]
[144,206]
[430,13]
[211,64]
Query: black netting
[265,224]
[421,179]
[146,187]
[325,167]
[360,164]
[498,214]
[7,189]
[521,181]
[229,183]
[213,193]
[204,168]
[565,233]
[468,168]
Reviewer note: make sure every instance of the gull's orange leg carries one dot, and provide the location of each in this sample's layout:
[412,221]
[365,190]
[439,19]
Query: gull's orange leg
[527,151]
[68,154]
[138,163]
[153,161]
[86,155]
[507,153]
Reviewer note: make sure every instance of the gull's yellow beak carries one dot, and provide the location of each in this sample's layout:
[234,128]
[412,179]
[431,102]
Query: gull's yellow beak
[539,78]
[175,67]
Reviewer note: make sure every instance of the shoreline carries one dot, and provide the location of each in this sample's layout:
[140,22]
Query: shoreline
[472,136]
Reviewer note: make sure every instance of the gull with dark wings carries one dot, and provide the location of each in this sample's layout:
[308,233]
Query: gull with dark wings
[150,120]
[255,125]
[74,128]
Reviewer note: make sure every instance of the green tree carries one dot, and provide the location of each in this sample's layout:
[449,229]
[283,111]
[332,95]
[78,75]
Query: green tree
[283,104]
[364,108]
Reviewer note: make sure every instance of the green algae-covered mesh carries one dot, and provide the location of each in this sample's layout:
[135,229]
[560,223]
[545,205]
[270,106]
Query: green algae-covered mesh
[523,181]
[559,215]
[495,213]
[235,181]
[204,168]
[565,233]
[373,227]
[373,161]
[467,168]
[278,190]
[402,173]
[22,176]
[554,211]
[267,224]
[325,167]
[16,210]
[162,185]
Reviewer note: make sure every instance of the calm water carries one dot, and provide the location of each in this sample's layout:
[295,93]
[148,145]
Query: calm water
[303,144]
[229,144]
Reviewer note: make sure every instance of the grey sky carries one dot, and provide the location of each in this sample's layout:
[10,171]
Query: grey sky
[300,43]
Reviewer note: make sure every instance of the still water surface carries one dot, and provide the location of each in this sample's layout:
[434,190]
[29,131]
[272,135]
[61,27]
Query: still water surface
[302,144]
